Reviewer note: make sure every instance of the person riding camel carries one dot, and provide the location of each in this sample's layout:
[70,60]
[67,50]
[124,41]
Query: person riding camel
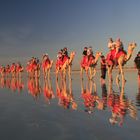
[91,57]
[65,51]
[64,54]
[59,61]
[84,59]
[85,51]
[115,49]
[118,46]
[45,61]
[111,44]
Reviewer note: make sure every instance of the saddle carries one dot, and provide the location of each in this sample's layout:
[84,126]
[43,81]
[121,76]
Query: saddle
[112,57]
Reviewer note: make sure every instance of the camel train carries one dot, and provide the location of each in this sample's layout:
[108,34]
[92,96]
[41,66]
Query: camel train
[117,56]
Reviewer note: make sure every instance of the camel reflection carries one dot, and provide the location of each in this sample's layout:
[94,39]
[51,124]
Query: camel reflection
[34,87]
[15,84]
[90,97]
[120,106]
[65,95]
[2,82]
[48,91]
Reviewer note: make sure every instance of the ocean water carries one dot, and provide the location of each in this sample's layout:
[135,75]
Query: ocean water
[38,109]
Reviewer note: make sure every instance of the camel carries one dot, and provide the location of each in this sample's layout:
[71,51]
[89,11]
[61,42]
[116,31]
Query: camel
[121,58]
[63,65]
[89,65]
[47,68]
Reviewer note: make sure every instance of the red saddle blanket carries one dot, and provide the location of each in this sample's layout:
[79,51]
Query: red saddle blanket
[112,56]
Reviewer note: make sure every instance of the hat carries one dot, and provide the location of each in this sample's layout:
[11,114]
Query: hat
[139,52]
[65,48]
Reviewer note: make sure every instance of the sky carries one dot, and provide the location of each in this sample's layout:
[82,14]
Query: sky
[34,27]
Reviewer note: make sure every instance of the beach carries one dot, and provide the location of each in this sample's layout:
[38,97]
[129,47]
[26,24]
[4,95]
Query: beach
[27,113]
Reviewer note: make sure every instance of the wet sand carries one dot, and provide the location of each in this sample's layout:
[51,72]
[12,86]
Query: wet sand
[28,112]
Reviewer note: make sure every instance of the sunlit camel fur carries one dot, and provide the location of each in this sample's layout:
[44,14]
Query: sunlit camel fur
[47,69]
[121,61]
[66,67]
[87,67]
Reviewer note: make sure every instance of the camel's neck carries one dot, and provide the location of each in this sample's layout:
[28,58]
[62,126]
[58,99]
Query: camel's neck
[71,58]
[129,53]
[51,63]
[97,57]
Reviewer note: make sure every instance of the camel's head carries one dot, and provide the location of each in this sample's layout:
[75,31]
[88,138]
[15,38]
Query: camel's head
[132,45]
[99,54]
[72,54]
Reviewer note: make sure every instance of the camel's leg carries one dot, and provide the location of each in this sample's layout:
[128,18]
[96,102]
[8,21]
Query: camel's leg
[117,78]
[94,73]
[64,74]
[56,73]
[44,73]
[94,86]
[81,73]
[110,74]
[90,73]
[48,71]
[69,71]
[87,74]
[110,90]
[82,86]
[122,72]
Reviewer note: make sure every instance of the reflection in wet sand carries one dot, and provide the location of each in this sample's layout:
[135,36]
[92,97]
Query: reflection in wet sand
[104,94]
[48,90]
[117,103]
[90,97]
[120,106]
[15,84]
[34,88]
[65,95]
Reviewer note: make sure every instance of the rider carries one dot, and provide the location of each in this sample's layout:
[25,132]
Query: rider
[85,51]
[59,59]
[118,46]
[65,51]
[111,44]
[90,57]
[84,61]
[45,60]
[64,54]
